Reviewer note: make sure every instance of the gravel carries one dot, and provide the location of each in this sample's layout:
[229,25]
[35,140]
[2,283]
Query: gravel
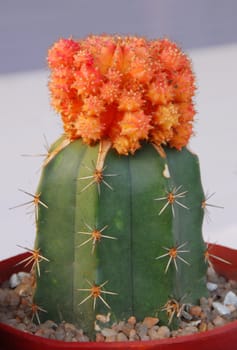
[219,308]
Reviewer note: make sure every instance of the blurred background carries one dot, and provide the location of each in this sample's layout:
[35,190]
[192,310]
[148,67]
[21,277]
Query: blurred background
[205,29]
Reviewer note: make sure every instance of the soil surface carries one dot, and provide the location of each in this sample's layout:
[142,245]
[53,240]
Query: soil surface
[219,308]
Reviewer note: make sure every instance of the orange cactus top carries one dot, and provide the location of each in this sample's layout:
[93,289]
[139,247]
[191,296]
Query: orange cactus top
[124,89]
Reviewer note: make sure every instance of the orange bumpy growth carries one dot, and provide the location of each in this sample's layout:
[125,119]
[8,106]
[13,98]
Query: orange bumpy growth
[125,89]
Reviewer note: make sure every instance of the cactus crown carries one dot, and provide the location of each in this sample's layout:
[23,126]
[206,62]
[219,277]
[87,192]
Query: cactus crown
[125,90]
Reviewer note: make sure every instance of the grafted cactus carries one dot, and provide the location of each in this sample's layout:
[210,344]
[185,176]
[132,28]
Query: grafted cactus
[121,223]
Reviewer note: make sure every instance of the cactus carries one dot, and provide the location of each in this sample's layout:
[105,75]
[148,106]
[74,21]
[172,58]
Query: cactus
[120,225]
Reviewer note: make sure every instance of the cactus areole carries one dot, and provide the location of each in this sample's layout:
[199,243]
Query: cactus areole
[119,216]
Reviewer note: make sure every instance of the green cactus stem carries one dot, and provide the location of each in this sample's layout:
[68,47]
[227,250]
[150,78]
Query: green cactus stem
[122,233]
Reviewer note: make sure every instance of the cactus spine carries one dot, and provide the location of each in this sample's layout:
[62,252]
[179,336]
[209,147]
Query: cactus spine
[122,232]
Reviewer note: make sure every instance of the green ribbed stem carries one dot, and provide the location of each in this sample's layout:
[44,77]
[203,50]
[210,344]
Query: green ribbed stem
[129,214]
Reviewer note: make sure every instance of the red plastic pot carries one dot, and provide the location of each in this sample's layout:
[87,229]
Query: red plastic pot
[218,339]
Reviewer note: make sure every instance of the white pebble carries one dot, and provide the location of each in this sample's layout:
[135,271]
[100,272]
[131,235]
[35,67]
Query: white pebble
[108,332]
[211,286]
[23,274]
[230,299]
[141,330]
[121,337]
[212,275]
[195,323]
[231,307]
[14,280]
[133,335]
[189,330]
[219,321]
[103,318]
[163,332]
[153,334]
[220,308]
[97,327]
